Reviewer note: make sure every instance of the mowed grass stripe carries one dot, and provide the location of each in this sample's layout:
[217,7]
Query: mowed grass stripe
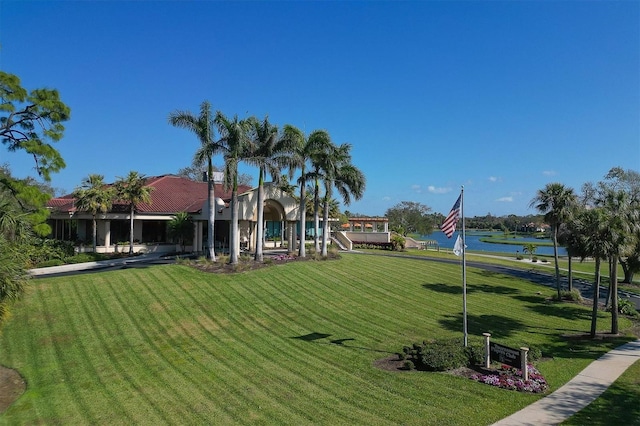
[332,381]
[327,379]
[268,385]
[260,352]
[204,347]
[162,354]
[125,348]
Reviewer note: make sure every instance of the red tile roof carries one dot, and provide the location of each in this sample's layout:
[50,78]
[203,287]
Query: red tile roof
[171,194]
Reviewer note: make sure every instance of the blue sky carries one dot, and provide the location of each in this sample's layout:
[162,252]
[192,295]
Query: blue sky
[501,97]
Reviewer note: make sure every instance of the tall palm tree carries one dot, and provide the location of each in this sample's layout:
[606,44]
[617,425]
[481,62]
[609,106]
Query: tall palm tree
[589,231]
[301,149]
[203,127]
[555,201]
[322,149]
[94,196]
[234,137]
[267,151]
[621,222]
[132,190]
[349,181]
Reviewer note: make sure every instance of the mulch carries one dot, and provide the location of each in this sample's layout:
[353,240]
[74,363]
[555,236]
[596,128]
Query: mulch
[12,385]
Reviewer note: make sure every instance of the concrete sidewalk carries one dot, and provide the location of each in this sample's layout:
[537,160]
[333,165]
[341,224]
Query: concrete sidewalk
[579,391]
[97,265]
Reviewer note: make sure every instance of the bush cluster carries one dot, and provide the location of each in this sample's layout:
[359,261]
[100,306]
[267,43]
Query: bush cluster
[626,307]
[443,355]
[372,245]
[573,295]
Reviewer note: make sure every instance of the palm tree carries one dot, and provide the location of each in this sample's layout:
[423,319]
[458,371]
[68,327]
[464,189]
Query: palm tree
[181,228]
[338,172]
[132,190]
[529,248]
[301,149]
[14,225]
[203,127]
[268,152]
[621,223]
[589,232]
[94,196]
[555,202]
[234,137]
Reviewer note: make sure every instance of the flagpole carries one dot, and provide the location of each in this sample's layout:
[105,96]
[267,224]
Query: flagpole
[464,272]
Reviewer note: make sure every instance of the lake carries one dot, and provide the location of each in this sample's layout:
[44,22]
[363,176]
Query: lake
[474,243]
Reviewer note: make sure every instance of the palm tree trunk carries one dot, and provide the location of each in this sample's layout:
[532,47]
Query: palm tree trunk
[95,233]
[233,235]
[596,296]
[325,226]
[260,225]
[316,218]
[303,220]
[570,274]
[608,299]
[555,257]
[211,198]
[130,230]
[613,288]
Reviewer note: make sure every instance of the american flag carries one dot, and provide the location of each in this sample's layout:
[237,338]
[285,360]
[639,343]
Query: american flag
[449,224]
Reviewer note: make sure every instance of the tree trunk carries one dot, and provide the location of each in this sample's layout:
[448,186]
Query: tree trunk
[95,233]
[607,301]
[260,228]
[596,296]
[233,234]
[570,274]
[130,230]
[303,222]
[316,218]
[555,258]
[613,288]
[211,201]
[325,226]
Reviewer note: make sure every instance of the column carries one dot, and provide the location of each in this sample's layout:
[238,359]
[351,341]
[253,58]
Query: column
[107,234]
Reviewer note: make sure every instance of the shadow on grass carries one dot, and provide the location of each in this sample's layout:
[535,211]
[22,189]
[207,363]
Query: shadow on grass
[581,345]
[316,337]
[561,310]
[497,325]
[471,288]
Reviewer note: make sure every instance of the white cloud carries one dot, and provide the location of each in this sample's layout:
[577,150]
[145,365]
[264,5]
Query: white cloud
[505,199]
[432,189]
[416,188]
[386,198]
[549,173]
[494,179]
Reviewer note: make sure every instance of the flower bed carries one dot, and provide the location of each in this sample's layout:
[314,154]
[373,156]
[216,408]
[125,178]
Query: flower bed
[511,378]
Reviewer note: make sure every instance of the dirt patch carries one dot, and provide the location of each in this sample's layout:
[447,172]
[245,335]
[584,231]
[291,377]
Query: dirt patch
[12,385]
[393,363]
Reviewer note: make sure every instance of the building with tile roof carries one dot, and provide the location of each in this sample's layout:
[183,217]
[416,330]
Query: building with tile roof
[170,195]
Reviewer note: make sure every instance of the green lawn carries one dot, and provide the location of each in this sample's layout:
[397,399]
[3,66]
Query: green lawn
[288,344]
[618,405]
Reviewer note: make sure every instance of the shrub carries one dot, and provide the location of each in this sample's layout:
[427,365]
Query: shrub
[397,242]
[408,365]
[86,257]
[444,355]
[573,295]
[52,262]
[534,354]
[626,307]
